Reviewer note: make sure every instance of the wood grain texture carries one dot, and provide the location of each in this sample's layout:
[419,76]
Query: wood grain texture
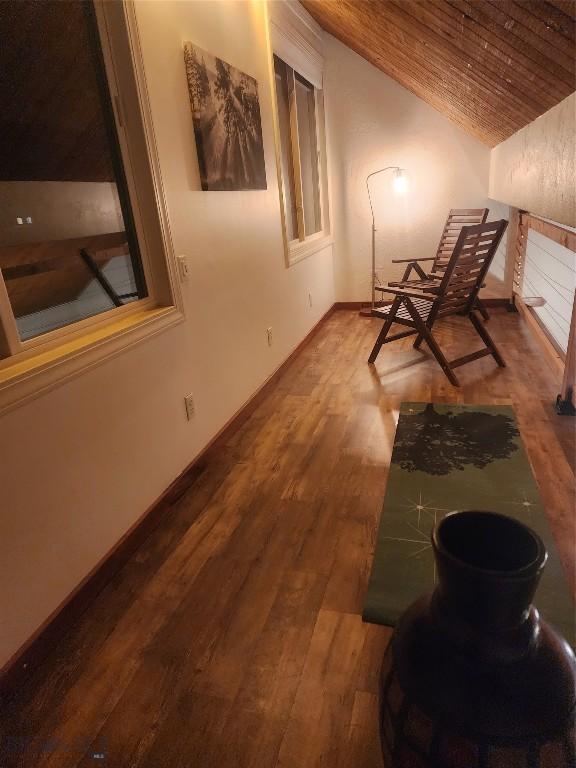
[232,638]
[24,662]
[42,275]
[511,250]
[52,123]
[549,349]
[568,393]
[560,235]
[491,66]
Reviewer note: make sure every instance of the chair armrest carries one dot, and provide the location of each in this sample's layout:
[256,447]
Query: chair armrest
[405,285]
[409,294]
[410,261]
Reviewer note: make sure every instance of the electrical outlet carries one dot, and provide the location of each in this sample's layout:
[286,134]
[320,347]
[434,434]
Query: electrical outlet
[269,336]
[184,268]
[309,298]
[190,409]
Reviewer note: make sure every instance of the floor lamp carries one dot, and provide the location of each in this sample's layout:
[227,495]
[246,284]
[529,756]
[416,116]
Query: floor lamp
[400,182]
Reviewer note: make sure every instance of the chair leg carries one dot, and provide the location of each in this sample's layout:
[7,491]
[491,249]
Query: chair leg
[487,339]
[418,342]
[413,265]
[406,275]
[384,332]
[482,309]
[439,355]
[426,334]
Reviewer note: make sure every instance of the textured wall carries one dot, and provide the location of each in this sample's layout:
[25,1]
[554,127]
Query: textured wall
[535,168]
[374,122]
[495,279]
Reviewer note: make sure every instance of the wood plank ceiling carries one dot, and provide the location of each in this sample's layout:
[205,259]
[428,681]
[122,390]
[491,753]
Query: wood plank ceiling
[491,66]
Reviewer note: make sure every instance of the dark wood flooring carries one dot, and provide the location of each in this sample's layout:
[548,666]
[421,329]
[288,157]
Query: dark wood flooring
[233,638]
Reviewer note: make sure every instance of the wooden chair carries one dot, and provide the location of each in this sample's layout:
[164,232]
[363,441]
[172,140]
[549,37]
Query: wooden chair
[455,293]
[423,281]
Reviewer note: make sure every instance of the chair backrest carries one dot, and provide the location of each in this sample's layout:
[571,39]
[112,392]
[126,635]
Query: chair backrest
[457,218]
[467,268]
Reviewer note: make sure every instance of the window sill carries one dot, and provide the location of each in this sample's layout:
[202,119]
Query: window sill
[24,379]
[299,251]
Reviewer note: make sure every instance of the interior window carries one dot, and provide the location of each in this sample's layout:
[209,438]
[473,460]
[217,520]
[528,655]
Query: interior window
[297,110]
[306,112]
[68,248]
[283,73]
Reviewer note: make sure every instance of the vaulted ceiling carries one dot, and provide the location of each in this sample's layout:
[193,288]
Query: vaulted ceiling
[491,66]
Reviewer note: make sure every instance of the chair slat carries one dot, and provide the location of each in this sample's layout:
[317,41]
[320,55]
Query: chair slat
[457,218]
[478,212]
[464,274]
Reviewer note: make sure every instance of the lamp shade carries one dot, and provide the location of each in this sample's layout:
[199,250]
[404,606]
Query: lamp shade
[400,181]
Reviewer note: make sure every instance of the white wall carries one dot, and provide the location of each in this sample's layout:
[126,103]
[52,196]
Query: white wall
[60,210]
[535,169]
[374,122]
[495,279]
[80,464]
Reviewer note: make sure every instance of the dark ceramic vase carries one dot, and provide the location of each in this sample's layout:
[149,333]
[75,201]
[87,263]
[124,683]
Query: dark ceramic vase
[473,677]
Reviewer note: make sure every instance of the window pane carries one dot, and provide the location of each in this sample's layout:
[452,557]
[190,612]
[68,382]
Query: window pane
[283,72]
[67,244]
[305,108]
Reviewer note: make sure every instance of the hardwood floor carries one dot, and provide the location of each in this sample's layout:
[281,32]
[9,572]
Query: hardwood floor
[233,638]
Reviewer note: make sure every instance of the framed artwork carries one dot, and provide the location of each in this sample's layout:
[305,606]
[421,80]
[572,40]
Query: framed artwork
[227,125]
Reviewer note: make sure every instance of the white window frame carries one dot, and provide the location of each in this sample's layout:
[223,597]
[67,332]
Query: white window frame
[298,41]
[30,367]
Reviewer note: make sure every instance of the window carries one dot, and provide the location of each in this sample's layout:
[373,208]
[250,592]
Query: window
[300,124]
[74,252]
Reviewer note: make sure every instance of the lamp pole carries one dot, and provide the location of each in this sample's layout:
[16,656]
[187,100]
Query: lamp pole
[399,172]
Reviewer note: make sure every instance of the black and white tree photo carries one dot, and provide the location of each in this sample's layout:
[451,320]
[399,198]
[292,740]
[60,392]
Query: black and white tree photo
[227,125]
[440,442]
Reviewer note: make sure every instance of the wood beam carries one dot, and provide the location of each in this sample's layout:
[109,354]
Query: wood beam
[520,252]
[10,343]
[560,235]
[566,400]
[511,251]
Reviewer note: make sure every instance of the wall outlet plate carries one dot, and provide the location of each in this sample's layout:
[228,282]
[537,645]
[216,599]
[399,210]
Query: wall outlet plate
[190,407]
[183,268]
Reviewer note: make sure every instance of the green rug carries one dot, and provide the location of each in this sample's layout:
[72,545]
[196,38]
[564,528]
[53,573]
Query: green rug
[448,458]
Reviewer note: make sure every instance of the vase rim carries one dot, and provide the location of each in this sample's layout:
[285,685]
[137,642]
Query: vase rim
[528,569]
